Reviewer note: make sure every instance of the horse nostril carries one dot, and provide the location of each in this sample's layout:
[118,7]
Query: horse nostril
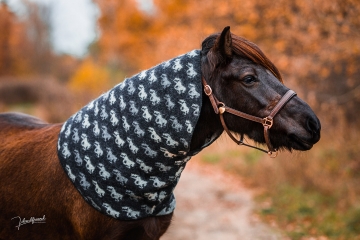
[313,126]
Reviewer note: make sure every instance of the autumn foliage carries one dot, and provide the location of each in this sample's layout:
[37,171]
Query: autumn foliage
[314,43]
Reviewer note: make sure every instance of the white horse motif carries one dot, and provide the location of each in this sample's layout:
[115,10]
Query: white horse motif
[122,103]
[83,182]
[183,107]
[167,153]
[191,73]
[157,183]
[179,87]
[98,151]
[85,123]
[113,119]
[152,77]
[112,98]
[126,160]
[189,128]
[146,115]
[119,142]
[70,174]
[154,99]
[165,81]
[105,134]
[115,195]
[162,167]
[138,181]
[103,173]
[103,113]
[177,65]
[111,211]
[142,75]
[65,152]
[125,124]
[159,120]
[84,142]
[110,156]
[133,196]
[96,129]
[131,89]
[123,180]
[98,190]
[75,136]
[192,92]
[148,209]
[134,149]
[78,159]
[137,130]
[151,196]
[196,109]
[148,151]
[143,166]
[68,131]
[175,124]
[131,213]
[154,136]
[192,54]
[133,109]
[89,166]
[169,104]
[142,94]
[170,141]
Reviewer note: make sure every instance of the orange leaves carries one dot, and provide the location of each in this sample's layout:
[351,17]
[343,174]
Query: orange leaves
[90,78]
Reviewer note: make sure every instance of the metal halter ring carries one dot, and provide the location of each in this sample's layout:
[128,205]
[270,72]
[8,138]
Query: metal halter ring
[221,107]
[273,154]
[207,90]
[268,122]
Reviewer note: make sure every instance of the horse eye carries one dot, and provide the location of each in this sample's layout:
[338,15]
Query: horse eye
[249,79]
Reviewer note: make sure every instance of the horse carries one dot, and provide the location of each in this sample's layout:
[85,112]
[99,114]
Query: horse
[244,95]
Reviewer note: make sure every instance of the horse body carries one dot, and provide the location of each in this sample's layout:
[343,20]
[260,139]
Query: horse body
[34,184]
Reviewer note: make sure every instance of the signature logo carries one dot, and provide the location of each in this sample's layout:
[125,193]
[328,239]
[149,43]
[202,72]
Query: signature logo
[32,220]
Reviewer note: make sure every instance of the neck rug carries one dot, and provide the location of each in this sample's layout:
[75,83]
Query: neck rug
[125,150]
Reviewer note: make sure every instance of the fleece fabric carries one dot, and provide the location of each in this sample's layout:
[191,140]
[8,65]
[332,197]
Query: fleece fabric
[125,151]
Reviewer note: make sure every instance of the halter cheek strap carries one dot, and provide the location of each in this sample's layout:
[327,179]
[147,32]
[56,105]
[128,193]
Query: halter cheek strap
[267,122]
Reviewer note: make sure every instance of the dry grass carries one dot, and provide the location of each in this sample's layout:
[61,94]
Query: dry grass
[312,194]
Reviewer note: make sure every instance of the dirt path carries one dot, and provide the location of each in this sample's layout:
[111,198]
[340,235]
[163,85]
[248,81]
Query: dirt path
[211,205]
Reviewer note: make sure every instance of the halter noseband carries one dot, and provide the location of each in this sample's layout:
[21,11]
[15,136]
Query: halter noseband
[220,108]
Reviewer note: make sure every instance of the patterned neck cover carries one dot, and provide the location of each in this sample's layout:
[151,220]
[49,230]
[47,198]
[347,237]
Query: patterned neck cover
[125,150]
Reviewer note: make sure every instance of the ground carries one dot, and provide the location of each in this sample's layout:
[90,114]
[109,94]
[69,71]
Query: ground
[213,205]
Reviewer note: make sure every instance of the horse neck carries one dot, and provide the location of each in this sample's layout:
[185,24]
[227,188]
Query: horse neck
[207,125]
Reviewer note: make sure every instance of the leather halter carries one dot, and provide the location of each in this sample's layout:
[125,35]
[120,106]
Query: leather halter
[220,108]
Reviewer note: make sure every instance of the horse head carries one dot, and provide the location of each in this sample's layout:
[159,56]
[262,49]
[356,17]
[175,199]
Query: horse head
[242,79]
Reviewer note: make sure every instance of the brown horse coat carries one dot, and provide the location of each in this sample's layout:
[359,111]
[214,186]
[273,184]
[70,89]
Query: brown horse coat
[31,171]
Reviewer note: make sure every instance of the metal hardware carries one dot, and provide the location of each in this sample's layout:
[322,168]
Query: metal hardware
[268,122]
[273,154]
[207,90]
[221,107]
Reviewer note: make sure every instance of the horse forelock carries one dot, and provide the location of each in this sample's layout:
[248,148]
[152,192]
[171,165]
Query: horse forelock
[241,47]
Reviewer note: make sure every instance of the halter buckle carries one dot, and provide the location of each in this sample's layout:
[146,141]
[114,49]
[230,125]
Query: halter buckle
[268,122]
[221,107]
[273,154]
[207,90]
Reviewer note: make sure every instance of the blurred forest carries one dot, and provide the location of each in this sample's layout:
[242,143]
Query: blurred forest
[314,43]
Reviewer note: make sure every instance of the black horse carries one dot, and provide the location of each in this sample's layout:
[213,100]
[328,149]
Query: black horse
[244,94]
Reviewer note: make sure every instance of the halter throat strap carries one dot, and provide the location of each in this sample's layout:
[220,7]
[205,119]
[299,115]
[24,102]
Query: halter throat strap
[220,108]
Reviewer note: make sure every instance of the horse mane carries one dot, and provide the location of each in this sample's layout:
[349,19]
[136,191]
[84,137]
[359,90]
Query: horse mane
[244,48]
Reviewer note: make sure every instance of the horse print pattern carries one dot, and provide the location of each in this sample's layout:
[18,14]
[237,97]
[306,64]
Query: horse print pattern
[125,150]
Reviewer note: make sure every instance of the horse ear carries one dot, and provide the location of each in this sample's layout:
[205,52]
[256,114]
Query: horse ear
[223,43]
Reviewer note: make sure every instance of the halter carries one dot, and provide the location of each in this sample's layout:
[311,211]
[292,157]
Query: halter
[220,108]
